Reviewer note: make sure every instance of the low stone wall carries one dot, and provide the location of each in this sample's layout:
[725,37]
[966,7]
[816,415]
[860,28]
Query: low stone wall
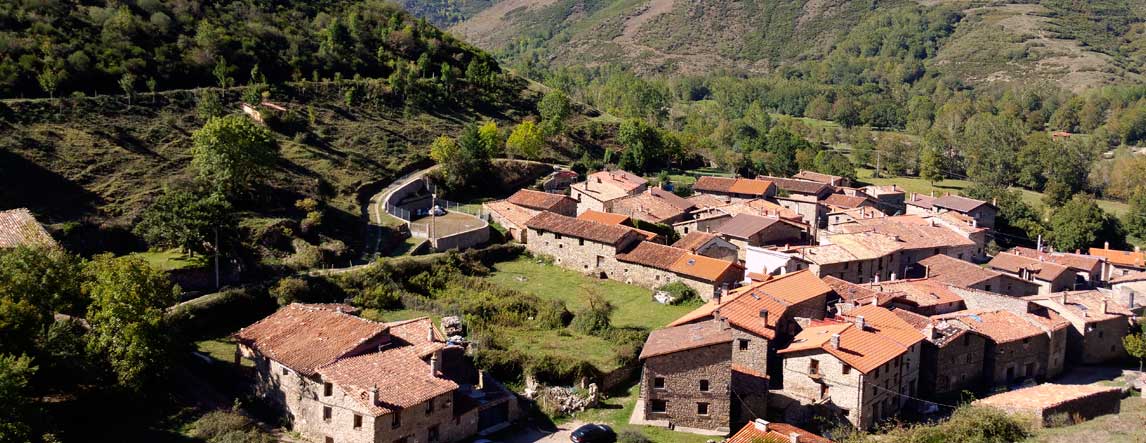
[462,240]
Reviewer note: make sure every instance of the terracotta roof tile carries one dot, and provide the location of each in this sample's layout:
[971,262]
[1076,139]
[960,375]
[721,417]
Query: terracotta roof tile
[884,322]
[517,215]
[743,226]
[652,254]
[846,201]
[956,272]
[732,185]
[913,231]
[1133,259]
[684,337]
[774,433]
[958,203]
[541,201]
[606,218]
[858,294]
[826,179]
[703,268]
[863,350]
[18,227]
[401,375]
[1012,263]
[1078,262]
[920,292]
[999,326]
[1129,278]
[611,185]
[742,307]
[797,186]
[920,200]
[304,337]
[709,201]
[1044,396]
[653,206]
[573,227]
[1082,306]
[694,240]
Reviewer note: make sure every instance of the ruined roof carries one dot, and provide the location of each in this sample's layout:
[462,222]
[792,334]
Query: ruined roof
[1133,259]
[684,337]
[402,377]
[1012,263]
[743,226]
[606,218]
[541,201]
[956,272]
[743,306]
[694,240]
[18,227]
[610,185]
[1000,326]
[958,203]
[652,254]
[304,337]
[826,179]
[1078,262]
[861,349]
[845,201]
[920,292]
[732,185]
[1044,396]
[574,227]
[654,206]
[761,431]
[516,214]
[1082,306]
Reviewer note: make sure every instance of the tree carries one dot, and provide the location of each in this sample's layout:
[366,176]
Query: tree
[1135,345]
[49,80]
[128,299]
[931,166]
[186,220]
[15,374]
[461,160]
[642,144]
[222,73]
[991,143]
[1077,224]
[1135,218]
[525,140]
[231,153]
[34,284]
[554,108]
[491,139]
[127,84]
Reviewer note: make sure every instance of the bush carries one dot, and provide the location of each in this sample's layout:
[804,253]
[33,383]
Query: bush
[289,290]
[218,423]
[305,256]
[595,318]
[632,437]
[968,424]
[681,293]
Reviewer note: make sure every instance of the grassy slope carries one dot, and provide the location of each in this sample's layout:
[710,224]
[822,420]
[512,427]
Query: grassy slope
[1124,427]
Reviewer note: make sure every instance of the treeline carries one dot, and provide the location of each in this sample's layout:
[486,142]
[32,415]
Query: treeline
[59,47]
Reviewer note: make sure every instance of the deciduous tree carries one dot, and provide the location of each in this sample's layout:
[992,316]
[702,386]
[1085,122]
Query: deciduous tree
[525,140]
[231,153]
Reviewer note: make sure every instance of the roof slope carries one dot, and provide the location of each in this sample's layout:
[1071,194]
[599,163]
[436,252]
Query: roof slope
[846,201]
[402,377]
[1043,396]
[826,179]
[654,206]
[703,268]
[743,306]
[731,185]
[884,322]
[18,227]
[774,433]
[684,337]
[516,214]
[861,349]
[1014,263]
[541,201]
[958,203]
[1133,259]
[653,254]
[304,337]
[956,272]
[921,292]
[743,226]
[798,186]
[999,326]
[694,240]
[574,227]
[1078,262]
[606,218]
[1082,306]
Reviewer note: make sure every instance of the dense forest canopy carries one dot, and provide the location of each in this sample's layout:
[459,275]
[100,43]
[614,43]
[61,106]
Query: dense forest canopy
[57,47]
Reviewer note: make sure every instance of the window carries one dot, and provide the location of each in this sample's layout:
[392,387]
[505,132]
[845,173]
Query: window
[1027,340]
[397,423]
[433,433]
[357,421]
[877,371]
[702,408]
[704,386]
[327,389]
[430,406]
[824,391]
[987,288]
[1099,334]
[967,337]
[658,406]
[967,358]
[557,236]
[329,440]
[847,369]
[743,344]
[813,367]
[285,370]
[580,242]
[658,382]
[327,413]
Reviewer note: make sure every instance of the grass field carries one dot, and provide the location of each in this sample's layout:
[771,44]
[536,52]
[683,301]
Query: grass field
[635,306]
[172,259]
[221,349]
[616,411]
[1124,427]
[398,315]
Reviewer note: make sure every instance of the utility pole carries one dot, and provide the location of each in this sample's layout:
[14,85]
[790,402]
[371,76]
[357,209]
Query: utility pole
[217,258]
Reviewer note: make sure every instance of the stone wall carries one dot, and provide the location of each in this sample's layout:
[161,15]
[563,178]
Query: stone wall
[862,271]
[707,224]
[682,373]
[749,350]
[462,240]
[572,253]
[1038,357]
[1101,403]
[954,367]
[1098,342]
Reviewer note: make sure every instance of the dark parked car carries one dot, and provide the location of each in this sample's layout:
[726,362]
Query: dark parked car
[593,433]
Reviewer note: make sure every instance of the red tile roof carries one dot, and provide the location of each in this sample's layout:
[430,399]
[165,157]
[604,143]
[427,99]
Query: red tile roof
[1078,262]
[863,350]
[653,206]
[958,203]
[858,294]
[1012,263]
[743,226]
[913,231]
[304,337]
[684,337]
[574,227]
[703,268]
[956,272]
[541,201]
[884,322]
[761,431]
[402,377]
[846,201]
[515,214]
[999,326]
[743,305]
[1133,259]
[694,240]
[652,254]
[1129,278]
[797,186]
[18,227]
[732,185]
[922,201]
[607,218]
[920,292]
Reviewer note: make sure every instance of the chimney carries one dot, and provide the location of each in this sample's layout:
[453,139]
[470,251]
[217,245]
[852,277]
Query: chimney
[761,424]
[860,322]
[374,395]
[764,317]
[891,277]
[1062,299]
[435,363]
[1105,245]
[430,333]
[836,341]
[794,437]
[716,315]
[875,280]
[481,380]
[1104,306]
[926,272]
[723,292]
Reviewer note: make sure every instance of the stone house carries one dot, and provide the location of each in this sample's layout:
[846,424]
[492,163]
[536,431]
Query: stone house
[922,237]
[1019,345]
[1097,324]
[579,245]
[856,257]
[797,187]
[744,230]
[921,296]
[811,211]
[736,189]
[889,199]
[762,317]
[1130,291]
[608,218]
[762,431]
[708,245]
[653,265]
[982,212]
[853,370]
[511,217]
[686,379]
[827,179]
[18,227]
[1048,276]
[544,201]
[601,189]
[961,273]
[341,378]
[1087,268]
[655,206]
[839,216]
[952,358]
[837,202]
[1120,263]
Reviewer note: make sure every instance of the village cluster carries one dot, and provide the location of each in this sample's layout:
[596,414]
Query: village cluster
[820,300]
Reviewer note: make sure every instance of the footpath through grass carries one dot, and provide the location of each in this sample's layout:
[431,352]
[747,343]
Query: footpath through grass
[635,305]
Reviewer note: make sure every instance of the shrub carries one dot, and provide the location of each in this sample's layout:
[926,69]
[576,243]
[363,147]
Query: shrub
[967,424]
[681,293]
[552,314]
[305,255]
[632,437]
[595,318]
[217,423]
[289,290]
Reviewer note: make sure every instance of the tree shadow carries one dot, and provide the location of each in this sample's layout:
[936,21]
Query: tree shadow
[24,183]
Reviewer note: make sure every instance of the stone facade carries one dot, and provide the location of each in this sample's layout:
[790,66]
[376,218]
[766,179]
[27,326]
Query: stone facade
[884,268]
[1039,357]
[706,223]
[860,399]
[954,366]
[750,350]
[576,254]
[678,387]
[808,207]
[1097,342]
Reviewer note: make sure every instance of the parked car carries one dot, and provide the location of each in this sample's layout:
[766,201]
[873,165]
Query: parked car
[438,211]
[594,433]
